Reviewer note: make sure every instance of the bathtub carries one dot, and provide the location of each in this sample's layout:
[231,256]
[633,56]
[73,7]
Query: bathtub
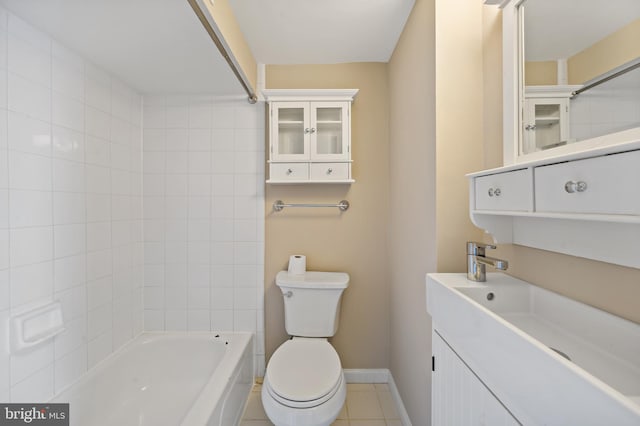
[167,379]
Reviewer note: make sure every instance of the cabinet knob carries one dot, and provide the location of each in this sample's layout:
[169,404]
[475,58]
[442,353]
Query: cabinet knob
[572,186]
[530,127]
[495,192]
[313,130]
[307,130]
[329,170]
[289,171]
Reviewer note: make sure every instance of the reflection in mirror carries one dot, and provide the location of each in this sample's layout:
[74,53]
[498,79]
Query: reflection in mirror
[581,70]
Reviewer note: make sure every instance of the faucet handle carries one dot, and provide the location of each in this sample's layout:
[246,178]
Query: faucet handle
[477,249]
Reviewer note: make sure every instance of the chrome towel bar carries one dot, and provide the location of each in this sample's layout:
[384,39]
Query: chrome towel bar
[279,205]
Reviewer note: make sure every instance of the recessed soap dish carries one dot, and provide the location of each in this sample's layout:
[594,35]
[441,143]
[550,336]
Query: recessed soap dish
[36,326]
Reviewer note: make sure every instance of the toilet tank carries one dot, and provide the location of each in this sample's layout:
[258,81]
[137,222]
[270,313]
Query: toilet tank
[312,302]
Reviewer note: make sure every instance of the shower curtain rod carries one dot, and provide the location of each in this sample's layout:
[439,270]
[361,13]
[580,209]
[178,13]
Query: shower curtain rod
[605,79]
[253,98]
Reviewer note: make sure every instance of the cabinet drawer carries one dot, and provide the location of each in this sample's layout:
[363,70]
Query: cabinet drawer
[504,191]
[601,185]
[289,171]
[329,171]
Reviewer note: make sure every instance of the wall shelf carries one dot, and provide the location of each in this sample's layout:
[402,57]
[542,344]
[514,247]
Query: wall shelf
[538,204]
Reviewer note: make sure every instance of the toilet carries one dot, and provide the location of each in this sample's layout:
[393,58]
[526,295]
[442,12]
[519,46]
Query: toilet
[304,383]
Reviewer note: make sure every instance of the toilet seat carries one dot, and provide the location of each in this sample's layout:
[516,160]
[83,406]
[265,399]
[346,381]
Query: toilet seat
[304,373]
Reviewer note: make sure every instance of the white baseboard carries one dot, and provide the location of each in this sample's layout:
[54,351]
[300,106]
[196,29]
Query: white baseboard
[366,375]
[379,375]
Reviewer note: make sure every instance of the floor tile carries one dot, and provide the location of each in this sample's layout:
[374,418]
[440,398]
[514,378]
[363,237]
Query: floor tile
[256,423]
[388,405]
[343,415]
[367,405]
[364,405]
[254,409]
[360,387]
[382,387]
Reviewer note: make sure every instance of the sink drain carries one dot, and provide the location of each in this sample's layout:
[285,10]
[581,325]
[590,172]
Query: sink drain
[559,352]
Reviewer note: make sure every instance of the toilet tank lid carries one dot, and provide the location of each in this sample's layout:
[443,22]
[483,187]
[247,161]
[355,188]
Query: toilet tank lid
[313,279]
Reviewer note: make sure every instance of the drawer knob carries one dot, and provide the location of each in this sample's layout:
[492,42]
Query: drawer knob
[289,171]
[329,170]
[572,186]
[495,192]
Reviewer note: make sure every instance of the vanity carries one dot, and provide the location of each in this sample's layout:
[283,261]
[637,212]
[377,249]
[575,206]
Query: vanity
[506,352]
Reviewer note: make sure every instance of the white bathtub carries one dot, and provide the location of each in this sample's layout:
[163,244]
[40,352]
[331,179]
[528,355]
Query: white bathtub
[167,379]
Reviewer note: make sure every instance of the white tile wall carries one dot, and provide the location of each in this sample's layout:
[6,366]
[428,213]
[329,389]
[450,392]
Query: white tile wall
[611,107]
[70,208]
[204,215]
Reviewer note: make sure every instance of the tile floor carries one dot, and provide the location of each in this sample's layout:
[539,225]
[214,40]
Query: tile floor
[367,404]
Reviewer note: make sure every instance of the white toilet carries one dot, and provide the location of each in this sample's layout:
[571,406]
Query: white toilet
[304,384]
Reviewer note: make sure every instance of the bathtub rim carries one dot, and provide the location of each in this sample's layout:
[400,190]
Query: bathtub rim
[202,409]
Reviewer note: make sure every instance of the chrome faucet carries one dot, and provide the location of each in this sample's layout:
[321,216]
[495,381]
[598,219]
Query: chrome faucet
[477,261]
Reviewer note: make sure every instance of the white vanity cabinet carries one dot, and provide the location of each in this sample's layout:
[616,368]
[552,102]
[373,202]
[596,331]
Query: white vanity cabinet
[585,204]
[310,136]
[458,396]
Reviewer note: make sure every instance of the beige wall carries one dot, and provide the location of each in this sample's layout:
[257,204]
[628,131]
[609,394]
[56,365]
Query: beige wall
[412,237]
[459,125]
[610,52]
[540,73]
[226,22]
[354,241]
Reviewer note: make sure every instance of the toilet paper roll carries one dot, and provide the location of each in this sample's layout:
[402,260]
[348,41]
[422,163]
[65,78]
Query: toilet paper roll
[297,264]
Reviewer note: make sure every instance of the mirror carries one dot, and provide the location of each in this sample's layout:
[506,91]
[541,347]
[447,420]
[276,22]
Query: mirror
[579,71]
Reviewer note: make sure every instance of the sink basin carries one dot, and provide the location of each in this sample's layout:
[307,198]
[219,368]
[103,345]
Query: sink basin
[549,359]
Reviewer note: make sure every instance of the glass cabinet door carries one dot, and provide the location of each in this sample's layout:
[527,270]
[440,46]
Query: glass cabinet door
[290,124]
[545,124]
[329,129]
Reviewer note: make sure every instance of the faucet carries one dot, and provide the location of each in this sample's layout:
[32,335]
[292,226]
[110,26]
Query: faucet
[477,261]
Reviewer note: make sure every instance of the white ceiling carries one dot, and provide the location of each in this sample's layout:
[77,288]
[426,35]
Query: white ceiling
[156,46]
[160,46]
[558,29]
[321,31]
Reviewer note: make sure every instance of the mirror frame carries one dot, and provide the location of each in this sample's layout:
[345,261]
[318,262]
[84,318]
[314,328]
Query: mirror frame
[513,98]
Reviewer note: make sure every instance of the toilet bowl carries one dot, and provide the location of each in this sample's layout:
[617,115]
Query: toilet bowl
[304,383]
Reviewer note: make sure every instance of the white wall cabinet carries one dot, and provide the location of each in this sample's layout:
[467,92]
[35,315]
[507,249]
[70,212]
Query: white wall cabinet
[585,204]
[545,117]
[310,136]
[545,124]
[458,397]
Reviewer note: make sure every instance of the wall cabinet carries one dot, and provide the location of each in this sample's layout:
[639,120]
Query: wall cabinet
[458,396]
[546,123]
[545,117]
[585,204]
[310,136]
